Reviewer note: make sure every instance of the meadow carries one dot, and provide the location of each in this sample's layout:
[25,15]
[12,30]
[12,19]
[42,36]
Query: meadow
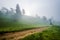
[16,26]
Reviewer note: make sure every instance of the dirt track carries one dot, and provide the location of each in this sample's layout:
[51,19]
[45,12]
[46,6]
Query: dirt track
[21,34]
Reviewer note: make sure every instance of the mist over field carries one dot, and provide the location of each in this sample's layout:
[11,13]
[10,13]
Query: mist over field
[48,8]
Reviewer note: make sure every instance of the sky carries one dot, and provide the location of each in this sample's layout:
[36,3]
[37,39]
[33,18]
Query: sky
[48,8]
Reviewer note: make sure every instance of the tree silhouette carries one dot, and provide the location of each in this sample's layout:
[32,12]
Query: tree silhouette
[50,21]
[44,18]
[1,14]
[18,11]
[37,16]
[18,14]
[23,11]
[3,10]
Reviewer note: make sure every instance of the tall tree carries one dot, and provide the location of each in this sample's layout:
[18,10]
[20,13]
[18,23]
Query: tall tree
[18,14]
[18,11]
[50,21]
[23,11]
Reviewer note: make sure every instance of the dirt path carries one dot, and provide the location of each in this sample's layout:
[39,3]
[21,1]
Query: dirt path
[21,34]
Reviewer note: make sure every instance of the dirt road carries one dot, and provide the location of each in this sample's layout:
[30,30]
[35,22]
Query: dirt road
[21,34]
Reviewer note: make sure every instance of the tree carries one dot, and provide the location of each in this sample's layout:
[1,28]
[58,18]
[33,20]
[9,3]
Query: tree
[18,11]
[23,11]
[37,16]
[12,11]
[1,14]
[4,10]
[18,14]
[44,18]
[50,21]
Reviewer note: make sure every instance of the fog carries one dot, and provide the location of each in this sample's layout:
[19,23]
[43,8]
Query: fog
[48,8]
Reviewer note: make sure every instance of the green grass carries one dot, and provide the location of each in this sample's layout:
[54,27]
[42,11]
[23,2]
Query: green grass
[15,26]
[6,25]
[53,33]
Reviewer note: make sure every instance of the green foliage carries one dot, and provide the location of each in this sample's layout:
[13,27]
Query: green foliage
[53,33]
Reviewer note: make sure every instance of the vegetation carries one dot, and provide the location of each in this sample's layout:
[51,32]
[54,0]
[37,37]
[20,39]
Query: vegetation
[14,20]
[53,33]
[14,26]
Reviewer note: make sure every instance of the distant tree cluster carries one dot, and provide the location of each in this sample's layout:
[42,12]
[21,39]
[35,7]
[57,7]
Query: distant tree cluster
[44,18]
[12,13]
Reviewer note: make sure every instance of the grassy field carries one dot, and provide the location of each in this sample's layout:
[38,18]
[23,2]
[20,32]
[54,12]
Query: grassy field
[53,33]
[8,25]
[16,26]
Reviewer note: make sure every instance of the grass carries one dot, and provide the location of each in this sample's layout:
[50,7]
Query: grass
[6,25]
[53,33]
[15,26]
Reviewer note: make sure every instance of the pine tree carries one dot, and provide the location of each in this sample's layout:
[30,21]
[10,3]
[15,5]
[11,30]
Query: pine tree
[18,11]
[23,11]
[50,20]
[18,14]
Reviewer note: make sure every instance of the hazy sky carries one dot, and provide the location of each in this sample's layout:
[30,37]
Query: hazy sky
[48,8]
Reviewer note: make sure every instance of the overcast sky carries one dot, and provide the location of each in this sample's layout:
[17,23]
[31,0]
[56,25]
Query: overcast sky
[48,8]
